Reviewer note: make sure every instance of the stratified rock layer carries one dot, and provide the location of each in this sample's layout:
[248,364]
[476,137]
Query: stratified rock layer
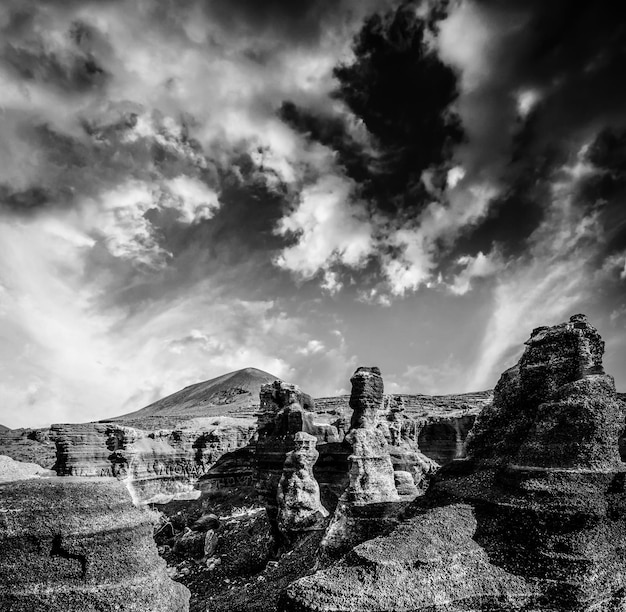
[532,520]
[366,398]
[79,545]
[160,464]
[299,506]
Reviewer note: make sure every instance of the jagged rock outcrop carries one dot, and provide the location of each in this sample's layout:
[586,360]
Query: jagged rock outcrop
[160,465]
[78,544]
[299,506]
[532,519]
[367,505]
[366,398]
[285,411]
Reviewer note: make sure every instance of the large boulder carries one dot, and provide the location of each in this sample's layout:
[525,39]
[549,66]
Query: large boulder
[77,544]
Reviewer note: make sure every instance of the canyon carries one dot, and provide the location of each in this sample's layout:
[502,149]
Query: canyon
[165,448]
[505,500]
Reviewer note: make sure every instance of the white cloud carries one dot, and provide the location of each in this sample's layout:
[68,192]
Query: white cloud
[478,266]
[544,286]
[330,228]
[119,219]
[419,247]
[68,356]
[526,100]
[615,264]
[192,198]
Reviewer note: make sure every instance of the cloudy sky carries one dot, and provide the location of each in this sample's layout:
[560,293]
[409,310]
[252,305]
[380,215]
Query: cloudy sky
[189,187]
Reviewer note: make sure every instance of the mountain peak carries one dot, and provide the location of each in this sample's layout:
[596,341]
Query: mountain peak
[230,393]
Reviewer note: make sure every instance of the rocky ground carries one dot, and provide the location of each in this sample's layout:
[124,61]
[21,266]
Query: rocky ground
[240,567]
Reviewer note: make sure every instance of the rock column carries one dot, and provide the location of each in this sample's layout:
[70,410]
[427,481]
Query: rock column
[299,506]
[369,504]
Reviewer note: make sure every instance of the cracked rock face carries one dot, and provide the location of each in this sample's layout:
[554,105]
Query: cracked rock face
[77,544]
[299,505]
[534,519]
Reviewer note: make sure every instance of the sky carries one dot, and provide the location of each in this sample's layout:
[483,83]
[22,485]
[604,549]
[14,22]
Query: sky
[190,187]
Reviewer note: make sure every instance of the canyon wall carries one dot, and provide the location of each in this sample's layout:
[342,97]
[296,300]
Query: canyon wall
[159,465]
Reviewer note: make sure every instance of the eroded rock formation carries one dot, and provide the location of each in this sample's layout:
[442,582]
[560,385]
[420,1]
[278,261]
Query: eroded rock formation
[299,506]
[160,464]
[367,505]
[532,519]
[78,544]
[285,411]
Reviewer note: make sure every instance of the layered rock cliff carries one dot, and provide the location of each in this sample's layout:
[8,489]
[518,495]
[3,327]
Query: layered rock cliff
[159,464]
[78,544]
[532,519]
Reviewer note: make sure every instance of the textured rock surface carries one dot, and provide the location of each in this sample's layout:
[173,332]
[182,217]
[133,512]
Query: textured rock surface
[284,412]
[160,464]
[532,520]
[366,398]
[435,425]
[405,485]
[299,505]
[368,501]
[77,545]
[29,445]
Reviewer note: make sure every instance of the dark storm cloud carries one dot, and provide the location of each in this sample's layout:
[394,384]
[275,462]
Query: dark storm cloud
[605,190]
[402,94]
[568,58]
[73,65]
[106,152]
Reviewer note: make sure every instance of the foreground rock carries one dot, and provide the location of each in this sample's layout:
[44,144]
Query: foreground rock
[532,519]
[78,544]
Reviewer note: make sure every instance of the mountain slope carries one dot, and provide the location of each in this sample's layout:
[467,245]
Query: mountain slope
[231,394]
[3,428]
